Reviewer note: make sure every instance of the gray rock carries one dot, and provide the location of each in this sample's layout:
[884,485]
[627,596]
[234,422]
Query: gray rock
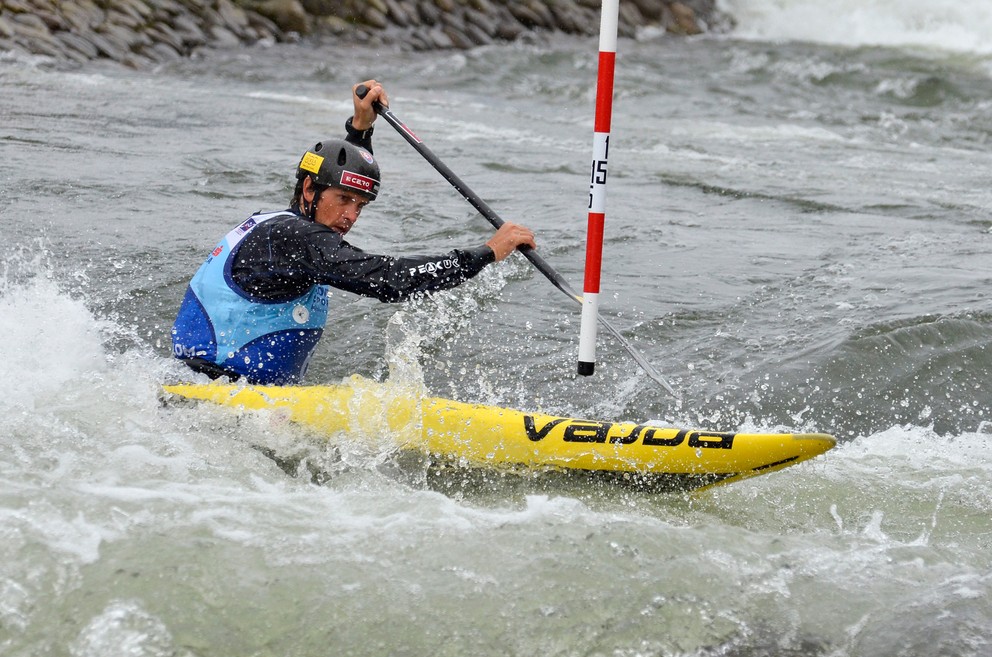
[459,38]
[189,31]
[29,21]
[527,16]
[125,13]
[6,29]
[120,35]
[454,19]
[9,45]
[119,45]
[630,18]
[222,37]
[375,17]
[540,7]
[162,33]
[651,10]
[263,26]
[136,8]
[136,61]
[105,47]
[568,19]
[429,12]
[124,19]
[683,20]
[322,7]
[289,15]
[165,7]
[39,43]
[52,20]
[477,35]
[418,40]
[378,5]
[400,16]
[86,11]
[484,21]
[142,31]
[233,17]
[440,39]
[160,52]
[508,27]
[483,6]
[18,6]
[78,44]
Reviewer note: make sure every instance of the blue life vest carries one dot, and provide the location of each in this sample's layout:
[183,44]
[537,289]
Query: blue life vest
[267,342]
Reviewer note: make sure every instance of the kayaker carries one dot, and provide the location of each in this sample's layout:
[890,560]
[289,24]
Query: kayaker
[257,306]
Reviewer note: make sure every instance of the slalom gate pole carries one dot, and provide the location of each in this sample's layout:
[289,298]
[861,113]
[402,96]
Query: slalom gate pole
[496,221]
[597,185]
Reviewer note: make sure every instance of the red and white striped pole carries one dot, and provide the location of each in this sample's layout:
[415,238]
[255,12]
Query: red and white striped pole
[597,185]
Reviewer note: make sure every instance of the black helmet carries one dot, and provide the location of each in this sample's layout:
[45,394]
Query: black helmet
[338,163]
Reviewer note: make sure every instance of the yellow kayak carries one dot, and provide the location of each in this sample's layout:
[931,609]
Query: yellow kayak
[489,436]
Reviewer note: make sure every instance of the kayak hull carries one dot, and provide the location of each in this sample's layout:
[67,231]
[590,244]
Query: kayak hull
[489,436]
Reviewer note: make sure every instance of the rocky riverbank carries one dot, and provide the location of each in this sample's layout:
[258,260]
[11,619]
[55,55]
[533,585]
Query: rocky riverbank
[141,33]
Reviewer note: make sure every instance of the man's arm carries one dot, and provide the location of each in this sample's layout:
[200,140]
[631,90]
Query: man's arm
[361,138]
[359,127]
[391,279]
[282,259]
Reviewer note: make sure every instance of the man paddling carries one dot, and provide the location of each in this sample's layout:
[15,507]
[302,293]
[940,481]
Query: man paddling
[257,306]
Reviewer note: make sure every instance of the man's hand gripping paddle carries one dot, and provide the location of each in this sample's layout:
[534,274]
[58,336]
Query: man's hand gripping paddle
[542,266]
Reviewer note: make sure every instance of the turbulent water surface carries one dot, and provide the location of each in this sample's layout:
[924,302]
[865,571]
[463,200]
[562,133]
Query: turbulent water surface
[799,235]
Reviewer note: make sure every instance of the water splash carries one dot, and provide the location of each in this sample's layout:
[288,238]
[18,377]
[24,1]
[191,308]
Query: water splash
[950,25]
[124,628]
[48,336]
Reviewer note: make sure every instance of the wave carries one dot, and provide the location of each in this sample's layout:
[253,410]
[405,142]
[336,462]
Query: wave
[961,26]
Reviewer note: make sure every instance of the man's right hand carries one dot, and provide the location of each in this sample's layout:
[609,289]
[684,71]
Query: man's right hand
[364,113]
[508,238]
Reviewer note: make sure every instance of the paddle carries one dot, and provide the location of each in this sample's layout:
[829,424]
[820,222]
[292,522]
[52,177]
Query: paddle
[494,219]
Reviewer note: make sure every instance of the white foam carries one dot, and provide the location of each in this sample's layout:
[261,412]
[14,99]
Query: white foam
[953,25]
[723,131]
[921,449]
[74,536]
[335,105]
[124,627]
[47,337]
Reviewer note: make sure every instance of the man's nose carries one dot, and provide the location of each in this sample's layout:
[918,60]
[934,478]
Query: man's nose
[353,210]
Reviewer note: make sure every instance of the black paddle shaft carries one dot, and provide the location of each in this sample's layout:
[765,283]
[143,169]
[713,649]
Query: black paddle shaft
[490,215]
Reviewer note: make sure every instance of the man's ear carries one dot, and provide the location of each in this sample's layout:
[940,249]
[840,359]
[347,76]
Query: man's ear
[308,189]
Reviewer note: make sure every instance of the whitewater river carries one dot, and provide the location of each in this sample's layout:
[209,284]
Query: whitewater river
[799,236]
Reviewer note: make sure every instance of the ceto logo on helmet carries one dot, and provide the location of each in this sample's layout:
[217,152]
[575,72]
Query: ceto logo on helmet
[358,181]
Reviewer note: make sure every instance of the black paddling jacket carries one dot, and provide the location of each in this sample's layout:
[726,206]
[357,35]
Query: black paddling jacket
[286,256]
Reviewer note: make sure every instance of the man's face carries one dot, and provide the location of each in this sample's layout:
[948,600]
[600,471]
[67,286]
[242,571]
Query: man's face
[338,209]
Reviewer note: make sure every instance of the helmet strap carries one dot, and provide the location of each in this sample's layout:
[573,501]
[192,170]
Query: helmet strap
[310,209]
